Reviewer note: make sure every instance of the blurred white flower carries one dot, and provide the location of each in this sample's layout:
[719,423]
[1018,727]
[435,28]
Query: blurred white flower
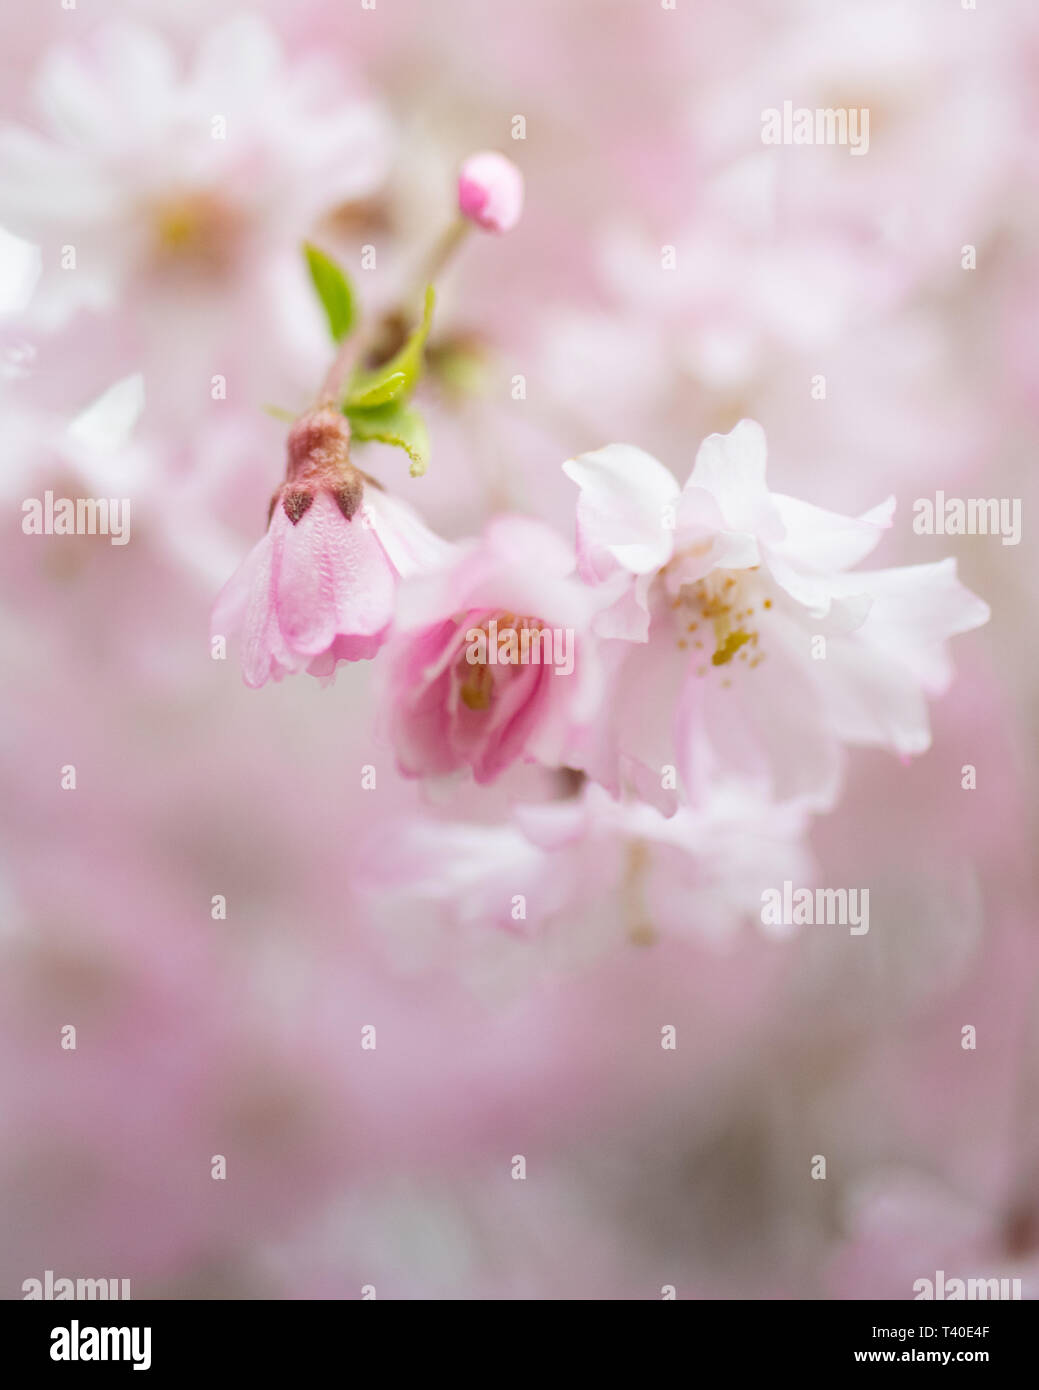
[150,179]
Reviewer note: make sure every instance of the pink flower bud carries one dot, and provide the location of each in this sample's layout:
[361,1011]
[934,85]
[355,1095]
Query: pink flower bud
[490,191]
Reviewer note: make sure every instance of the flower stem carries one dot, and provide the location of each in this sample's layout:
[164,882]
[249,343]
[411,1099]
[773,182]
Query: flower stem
[349,354]
[441,254]
[352,349]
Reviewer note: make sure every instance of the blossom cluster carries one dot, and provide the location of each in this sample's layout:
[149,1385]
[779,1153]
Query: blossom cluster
[692,648]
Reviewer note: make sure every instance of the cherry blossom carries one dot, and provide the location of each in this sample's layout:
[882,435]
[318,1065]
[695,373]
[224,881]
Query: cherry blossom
[490,663]
[319,588]
[741,608]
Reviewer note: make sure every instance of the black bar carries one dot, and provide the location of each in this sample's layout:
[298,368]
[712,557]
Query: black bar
[311,1338]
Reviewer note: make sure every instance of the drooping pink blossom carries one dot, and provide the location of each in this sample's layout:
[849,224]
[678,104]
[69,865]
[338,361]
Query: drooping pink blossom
[320,587]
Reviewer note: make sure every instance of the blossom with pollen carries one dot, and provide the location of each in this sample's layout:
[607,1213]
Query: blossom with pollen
[488,664]
[741,607]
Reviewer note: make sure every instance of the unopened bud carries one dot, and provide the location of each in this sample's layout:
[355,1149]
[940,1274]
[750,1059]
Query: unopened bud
[490,191]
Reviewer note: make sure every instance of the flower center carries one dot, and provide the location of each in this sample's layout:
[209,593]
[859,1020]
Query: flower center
[501,639]
[722,611]
[196,229]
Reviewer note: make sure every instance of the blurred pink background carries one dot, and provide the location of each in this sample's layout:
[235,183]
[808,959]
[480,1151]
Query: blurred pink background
[242,1037]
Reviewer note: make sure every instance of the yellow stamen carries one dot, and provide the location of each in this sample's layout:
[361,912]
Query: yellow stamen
[730,646]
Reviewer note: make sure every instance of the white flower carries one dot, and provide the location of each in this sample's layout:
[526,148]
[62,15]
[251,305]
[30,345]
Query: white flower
[179,184]
[758,648]
[568,880]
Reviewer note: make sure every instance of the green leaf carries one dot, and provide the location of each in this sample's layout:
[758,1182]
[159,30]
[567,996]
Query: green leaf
[394,423]
[334,290]
[386,390]
[406,363]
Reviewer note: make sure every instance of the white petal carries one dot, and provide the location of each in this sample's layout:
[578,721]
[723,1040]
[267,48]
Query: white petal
[731,467]
[408,542]
[873,702]
[107,423]
[622,509]
[769,724]
[820,540]
[824,599]
[916,609]
[20,264]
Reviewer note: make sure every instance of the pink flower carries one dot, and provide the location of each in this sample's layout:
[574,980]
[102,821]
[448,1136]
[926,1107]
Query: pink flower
[490,191]
[487,669]
[320,587]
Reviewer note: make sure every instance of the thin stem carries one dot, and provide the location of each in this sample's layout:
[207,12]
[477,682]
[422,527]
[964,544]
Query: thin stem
[352,349]
[443,251]
[349,354]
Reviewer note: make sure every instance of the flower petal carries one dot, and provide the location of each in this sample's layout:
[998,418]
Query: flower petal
[732,468]
[622,510]
[820,540]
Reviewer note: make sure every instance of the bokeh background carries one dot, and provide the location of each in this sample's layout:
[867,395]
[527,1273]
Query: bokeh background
[241,1037]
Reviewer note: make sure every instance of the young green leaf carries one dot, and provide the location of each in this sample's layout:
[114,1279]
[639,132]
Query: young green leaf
[394,423]
[385,390]
[334,291]
[406,363]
